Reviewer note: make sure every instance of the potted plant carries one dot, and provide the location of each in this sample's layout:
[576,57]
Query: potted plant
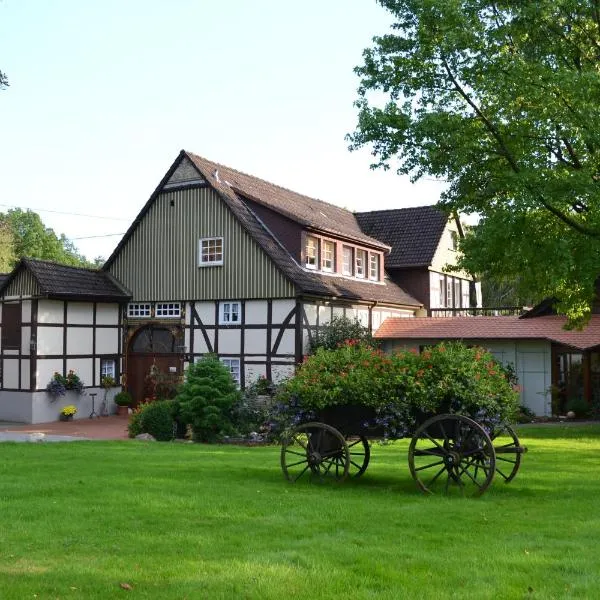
[67,412]
[123,401]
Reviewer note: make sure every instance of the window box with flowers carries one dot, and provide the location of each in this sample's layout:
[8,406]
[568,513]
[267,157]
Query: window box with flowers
[59,384]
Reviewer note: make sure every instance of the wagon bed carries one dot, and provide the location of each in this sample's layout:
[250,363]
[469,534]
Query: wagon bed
[447,453]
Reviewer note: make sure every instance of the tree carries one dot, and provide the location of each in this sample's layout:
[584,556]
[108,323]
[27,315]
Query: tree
[7,255]
[31,238]
[502,100]
[3,80]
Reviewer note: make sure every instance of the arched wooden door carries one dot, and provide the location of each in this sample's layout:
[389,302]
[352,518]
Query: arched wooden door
[154,362]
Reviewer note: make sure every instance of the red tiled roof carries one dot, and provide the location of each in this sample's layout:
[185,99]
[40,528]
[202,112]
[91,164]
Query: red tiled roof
[486,328]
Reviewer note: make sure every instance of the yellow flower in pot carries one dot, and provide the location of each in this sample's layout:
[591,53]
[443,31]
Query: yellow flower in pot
[67,412]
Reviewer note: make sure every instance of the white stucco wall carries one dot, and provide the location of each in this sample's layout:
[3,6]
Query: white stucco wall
[80,313]
[50,311]
[107,314]
[49,341]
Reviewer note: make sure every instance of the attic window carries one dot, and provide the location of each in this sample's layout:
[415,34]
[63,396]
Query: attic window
[312,252]
[210,252]
[374,267]
[453,240]
[347,260]
[328,256]
[361,263]
[169,310]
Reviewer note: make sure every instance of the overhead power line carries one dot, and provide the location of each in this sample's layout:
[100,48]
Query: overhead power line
[59,212]
[89,237]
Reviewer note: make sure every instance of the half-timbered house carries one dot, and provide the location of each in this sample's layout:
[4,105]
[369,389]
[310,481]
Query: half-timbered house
[222,262]
[54,319]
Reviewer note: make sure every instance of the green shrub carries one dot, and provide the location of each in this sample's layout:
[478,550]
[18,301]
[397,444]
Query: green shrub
[403,388]
[579,406]
[206,399]
[251,412]
[123,399]
[526,415]
[339,330]
[155,418]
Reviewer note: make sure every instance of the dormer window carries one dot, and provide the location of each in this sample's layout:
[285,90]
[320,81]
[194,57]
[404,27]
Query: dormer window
[374,267]
[328,256]
[312,252]
[347,260]
[361,263]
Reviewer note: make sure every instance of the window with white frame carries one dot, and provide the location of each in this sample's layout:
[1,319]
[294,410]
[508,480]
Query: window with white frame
[361,263]
[328,256]
[311,251]
[108,368]
[457,293]
[230,313]
[374,266]
[347,260]
[211,251]
[449,293]
[233,364]
[168,310]
[139,310]
[442,291]
[453,240]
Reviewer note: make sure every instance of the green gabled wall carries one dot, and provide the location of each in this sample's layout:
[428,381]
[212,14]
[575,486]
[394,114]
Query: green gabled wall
[24,284]
[160,259]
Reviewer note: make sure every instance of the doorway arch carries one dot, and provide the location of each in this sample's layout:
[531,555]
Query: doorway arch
[154,362]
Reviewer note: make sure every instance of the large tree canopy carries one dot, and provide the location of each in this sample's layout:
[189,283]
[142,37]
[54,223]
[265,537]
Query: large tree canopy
[22,233]
[502,100]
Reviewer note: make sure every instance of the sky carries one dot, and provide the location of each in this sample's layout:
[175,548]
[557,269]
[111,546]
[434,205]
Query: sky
[104,94]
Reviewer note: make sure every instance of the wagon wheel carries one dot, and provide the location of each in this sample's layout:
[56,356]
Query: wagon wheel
[316,450]
[452,454]
[508,452]
[360,454]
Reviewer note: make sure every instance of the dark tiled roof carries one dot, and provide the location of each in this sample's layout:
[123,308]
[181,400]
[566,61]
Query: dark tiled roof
[487,328]
[309,212]
[66,282]
[308,282]
[413,233]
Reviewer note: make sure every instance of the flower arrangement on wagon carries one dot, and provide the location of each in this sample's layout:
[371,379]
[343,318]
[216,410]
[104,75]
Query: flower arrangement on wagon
[397,392]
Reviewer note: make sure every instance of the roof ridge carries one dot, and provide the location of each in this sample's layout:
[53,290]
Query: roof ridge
[281,187]
[30,260]
[390,210]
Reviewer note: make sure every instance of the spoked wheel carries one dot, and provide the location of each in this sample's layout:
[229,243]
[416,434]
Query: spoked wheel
[508,452]
[360,454]
[452,454]
[316,451]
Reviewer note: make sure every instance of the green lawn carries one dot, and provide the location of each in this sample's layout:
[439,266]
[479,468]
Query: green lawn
[194,521]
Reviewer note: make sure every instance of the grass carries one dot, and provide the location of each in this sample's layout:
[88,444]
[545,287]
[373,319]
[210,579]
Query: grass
[192,521]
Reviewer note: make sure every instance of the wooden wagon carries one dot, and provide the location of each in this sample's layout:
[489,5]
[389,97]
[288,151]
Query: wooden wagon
[447,453]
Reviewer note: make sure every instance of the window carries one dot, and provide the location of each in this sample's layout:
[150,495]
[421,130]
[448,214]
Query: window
[233,364]
[457,293]
[449,292]
[168,309]
[108,368]
[312,252]
[230,313]
[211,251]
[374,266]
[11,326]
[361,263]
[328,260]
[347,260]
[453,240]
[442,291]
[137,311]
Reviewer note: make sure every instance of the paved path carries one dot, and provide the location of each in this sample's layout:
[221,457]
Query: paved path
[103,428]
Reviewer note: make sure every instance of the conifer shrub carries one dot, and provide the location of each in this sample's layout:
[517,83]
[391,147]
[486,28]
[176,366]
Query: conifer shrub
[206,399]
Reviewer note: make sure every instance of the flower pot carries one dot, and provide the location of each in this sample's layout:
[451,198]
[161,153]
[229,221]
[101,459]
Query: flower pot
[62,417]
[123,411]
